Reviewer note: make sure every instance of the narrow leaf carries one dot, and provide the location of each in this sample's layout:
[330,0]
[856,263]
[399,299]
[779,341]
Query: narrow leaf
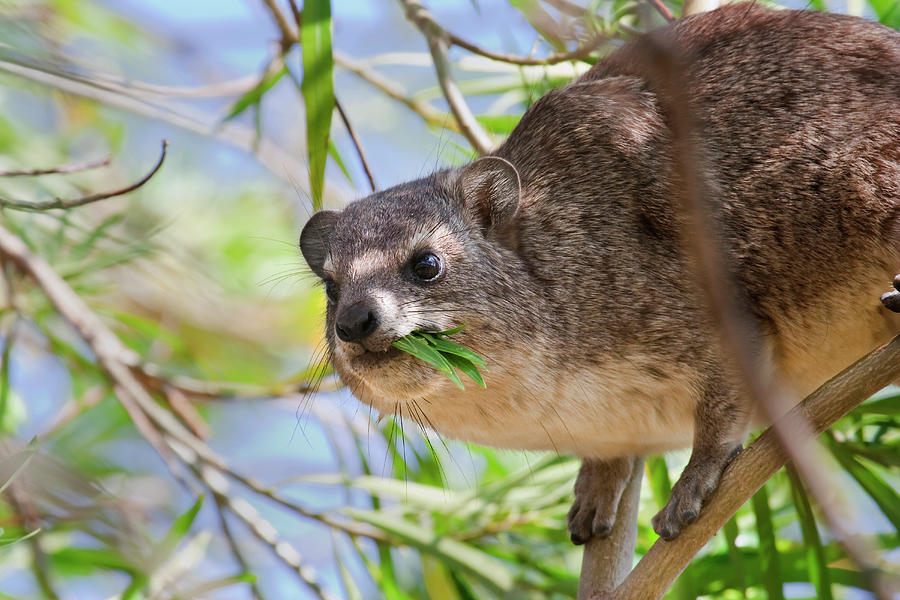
[421,350]
[767,550]
[451,552]
[317,89]
[815,553]
[466,367]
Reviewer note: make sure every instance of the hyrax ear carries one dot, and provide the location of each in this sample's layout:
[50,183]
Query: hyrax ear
[314,236]
[490,190]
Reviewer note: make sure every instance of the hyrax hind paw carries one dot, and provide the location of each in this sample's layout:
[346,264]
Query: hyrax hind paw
[891,300]
[698,481]
[598,489]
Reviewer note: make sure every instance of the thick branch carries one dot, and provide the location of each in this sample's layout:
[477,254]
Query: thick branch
[607,561]
[75,202]
[752,468]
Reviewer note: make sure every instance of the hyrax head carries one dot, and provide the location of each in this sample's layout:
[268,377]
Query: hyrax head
[428,256]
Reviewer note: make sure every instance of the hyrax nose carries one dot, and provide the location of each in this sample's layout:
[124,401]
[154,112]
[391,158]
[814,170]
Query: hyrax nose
[356,322]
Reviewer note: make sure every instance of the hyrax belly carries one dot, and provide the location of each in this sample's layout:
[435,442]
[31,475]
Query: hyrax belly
[591,414]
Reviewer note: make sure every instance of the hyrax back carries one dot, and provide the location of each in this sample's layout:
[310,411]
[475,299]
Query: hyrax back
[562,252]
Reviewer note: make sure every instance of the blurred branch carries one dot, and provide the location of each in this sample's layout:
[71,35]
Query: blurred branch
[429,113]
[356,143]
[75,202]
[232,543]
[288,36]
[740,336]
[567,8]
[754,466]
[662,9]
[72,168]
[262,529]
[25,512]
[438,39]
[90,86]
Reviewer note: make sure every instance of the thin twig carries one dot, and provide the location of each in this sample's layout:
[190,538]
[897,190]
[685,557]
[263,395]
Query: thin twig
[662,9]
[288,37]
[429,113]
[582,51]
[356,143]
[232,543]
[72,168]
[438,46]
[59,203]
[568,8]
[262,529]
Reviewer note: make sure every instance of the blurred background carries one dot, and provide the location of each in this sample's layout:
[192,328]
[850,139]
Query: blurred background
[227,462]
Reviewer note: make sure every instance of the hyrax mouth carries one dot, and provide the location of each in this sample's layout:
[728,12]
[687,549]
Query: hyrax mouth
[368,359]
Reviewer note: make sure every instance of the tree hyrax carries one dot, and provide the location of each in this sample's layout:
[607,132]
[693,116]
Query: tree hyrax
[561,253]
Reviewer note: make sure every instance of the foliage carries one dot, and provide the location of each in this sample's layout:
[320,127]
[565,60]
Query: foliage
[189,273]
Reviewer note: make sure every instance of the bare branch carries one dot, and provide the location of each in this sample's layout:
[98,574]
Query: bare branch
[288,36]
[657,570]
[582,51]
[607,561]
[262,529]
[438,45]
[429,113]
[72,168]
[741,338]
[662,9]
[75,202]
[356,143]
[232,543]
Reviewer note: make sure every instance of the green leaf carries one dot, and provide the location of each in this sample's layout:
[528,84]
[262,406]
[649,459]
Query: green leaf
[881,492]
[453,553]
[466,367]
[317,89]
[176,533]
[445,346]
[421,350]
[815,552]
[767,550]
[888,12]
[254,96]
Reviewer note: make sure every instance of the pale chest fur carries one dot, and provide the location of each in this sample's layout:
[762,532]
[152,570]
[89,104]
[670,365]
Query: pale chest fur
[604,412]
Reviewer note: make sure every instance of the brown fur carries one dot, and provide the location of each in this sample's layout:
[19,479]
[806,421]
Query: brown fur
[564,259]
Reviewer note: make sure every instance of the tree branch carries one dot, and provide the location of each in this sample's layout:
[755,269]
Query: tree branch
[607,561]
[657,570]
[582,51]
[356,143]
[429,113]
[740,337]
[438,41]
[75,202]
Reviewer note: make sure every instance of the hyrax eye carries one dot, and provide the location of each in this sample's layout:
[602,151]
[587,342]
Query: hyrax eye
[427,266]
[331,290]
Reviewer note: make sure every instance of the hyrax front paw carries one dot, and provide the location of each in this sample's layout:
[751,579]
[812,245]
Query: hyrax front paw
[698,481]
[891,300]
[598,490]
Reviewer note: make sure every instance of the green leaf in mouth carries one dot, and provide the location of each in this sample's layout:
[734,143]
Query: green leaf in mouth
[445,355]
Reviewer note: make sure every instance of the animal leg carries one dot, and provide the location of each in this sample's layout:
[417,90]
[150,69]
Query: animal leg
[598,489]
[720,427]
